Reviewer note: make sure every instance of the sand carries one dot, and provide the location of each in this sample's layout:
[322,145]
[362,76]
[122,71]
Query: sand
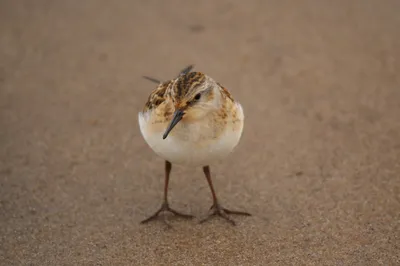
[318,165]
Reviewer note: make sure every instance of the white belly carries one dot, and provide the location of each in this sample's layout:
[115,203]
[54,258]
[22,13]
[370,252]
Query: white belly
[191,144]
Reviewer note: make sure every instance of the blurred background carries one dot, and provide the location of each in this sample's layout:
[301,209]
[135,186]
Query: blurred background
[318,165]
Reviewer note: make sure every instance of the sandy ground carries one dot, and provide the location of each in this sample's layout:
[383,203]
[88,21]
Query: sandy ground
[318,165]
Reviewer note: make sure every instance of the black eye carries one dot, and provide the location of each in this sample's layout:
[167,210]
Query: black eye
[197,97]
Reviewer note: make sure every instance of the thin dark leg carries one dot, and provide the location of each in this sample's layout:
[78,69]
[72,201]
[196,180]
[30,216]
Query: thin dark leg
[216,209]
[207,173]
[168,167]
[165,205]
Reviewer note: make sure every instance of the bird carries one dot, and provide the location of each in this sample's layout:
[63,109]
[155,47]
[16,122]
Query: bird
[194,121]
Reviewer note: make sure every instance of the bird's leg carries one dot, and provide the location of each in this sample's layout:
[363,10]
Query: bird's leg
[216,209]
[165,205]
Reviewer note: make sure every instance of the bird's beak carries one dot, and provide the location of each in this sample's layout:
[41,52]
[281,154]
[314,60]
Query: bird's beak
[178,114]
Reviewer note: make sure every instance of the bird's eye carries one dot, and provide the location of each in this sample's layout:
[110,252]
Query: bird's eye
[197,97]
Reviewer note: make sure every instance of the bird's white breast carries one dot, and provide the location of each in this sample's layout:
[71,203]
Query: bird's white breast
[194,144]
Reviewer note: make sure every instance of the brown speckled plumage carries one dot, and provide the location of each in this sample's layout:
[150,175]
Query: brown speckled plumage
[187,82]
[157,96]
[183,87]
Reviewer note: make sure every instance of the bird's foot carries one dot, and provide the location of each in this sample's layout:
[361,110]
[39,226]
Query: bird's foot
[165,208]
[218,210]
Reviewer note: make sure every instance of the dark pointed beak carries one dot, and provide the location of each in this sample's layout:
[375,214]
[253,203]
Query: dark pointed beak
[175,119]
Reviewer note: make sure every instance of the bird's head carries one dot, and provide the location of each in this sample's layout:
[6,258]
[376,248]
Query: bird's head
[194,95]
